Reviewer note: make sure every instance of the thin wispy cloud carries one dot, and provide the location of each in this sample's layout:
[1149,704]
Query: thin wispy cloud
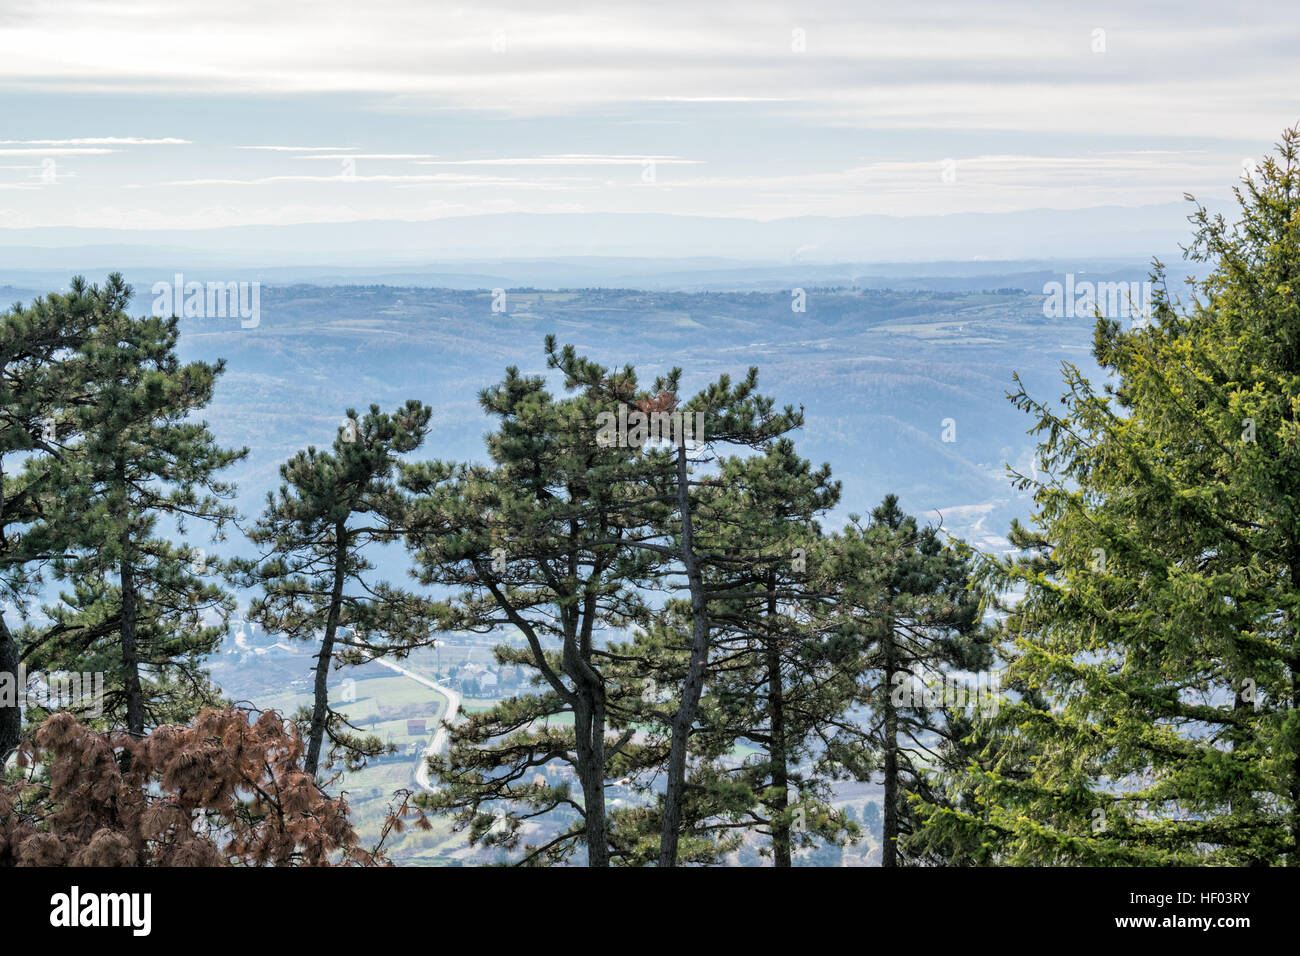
[98,141]
[299,149]
[378,156]
[58,151]
[570,159]
[346,178]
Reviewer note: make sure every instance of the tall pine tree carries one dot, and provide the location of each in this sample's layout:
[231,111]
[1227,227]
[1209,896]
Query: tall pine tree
[733,415]
[315,576]
[43,371]
[905,602]
[770,686]
[141,470]
[537,543]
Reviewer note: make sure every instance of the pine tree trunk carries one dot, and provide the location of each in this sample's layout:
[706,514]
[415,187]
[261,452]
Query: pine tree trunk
[691,689]
[589,728]
[321,698]
[889,845]
[777,749]
[11,717]
[130,648]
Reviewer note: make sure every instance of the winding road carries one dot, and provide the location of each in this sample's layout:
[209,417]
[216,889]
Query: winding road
[442,734]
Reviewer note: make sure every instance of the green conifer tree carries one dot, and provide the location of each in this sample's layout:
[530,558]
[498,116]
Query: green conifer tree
[42,379]
[141,608]
[769,685]
[1159,631]
[536,544]
[315,576]
[905,604]
[732,415]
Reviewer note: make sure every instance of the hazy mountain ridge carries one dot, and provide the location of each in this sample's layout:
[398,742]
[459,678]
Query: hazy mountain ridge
[479,250]
[878,373]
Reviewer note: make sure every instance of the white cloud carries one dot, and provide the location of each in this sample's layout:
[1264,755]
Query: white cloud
[57,151]
[345,178]
[569,159]
[299,149]
[97,141]
[382,156]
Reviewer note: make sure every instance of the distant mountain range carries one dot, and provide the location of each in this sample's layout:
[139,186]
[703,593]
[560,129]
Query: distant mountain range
[609,250]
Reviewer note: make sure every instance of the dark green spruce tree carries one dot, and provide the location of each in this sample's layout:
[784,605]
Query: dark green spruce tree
[1159,628]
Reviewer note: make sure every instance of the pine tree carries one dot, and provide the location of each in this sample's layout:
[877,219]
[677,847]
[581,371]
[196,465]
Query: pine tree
[733,415]
[769,684]
[537,542]
[111,384]
[42,366]
[141,468]
[315,577]
[905,601]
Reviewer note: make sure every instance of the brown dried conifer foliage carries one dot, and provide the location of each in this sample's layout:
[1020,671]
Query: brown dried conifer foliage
[223,791]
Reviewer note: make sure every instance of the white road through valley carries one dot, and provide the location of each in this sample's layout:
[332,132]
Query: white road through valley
[440,738]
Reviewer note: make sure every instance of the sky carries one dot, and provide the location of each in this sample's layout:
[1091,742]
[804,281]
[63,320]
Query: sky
[188,115]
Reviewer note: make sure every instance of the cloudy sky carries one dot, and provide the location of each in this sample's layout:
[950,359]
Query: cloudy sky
[180,114]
